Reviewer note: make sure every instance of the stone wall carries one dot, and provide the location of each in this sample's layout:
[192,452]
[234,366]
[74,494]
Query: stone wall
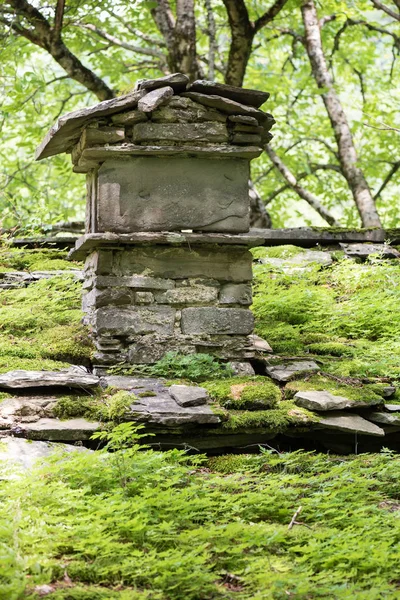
[144,301]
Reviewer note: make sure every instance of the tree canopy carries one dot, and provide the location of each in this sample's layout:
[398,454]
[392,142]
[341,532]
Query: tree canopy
[331,69]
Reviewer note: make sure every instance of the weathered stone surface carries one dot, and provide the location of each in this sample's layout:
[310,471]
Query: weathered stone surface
[180,132]
[18,279]
[385,418]
[135,281]
[388,391]
[144,298]
[286,371]
[350,423]
[189,113]
[231,264]
[321,401]
[155,98]
[54,430]
[232,293]
[25,453]
[177,81]
[300,260]
[134,320]
[74,378]
[247,139]
[165,411]
[245,96]
[196,294]
[392,407]
[186,395]
[101,135]
[19,407]
[214,195]
[215,321]
[243,119]
[259,344]
[129,118]
[135,385]
[67,130]
[242,369]
[229,106]
[365,250]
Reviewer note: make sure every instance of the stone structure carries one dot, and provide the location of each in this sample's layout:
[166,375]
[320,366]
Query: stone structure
[166,244]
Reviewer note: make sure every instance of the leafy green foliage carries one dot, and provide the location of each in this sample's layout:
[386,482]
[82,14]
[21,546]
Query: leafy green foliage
[140,524]
[45,259]
[367,393]
[194,367]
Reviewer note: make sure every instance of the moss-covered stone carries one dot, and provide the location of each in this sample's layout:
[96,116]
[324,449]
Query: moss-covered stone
[331,348]
[244,393]
[286,251]
[43,259]
[277,420]
[368,394]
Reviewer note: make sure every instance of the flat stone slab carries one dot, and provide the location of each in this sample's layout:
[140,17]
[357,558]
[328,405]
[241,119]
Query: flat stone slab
[286,371]
[259,344]
[165,411]
[350,423]
[321,401]
[365,250]
[18,279]
[392,407]
[301,260]
[72,378]
[86,243]
[135,385]
[25,453]
[217,321]
[244,96]
[230,107]
[72,430]
[177,81]
[25,409]
[155,98]
[187,395]
[67,130]
[385,418]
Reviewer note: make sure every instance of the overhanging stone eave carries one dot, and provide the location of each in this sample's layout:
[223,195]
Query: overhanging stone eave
[90,241]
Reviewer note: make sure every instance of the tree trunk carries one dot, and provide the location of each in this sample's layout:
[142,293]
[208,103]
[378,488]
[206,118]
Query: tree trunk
[347,151]
[242,35]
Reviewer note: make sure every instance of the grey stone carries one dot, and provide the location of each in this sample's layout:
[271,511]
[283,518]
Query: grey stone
[321,401]
[229,106]
[385,418]
[165,411]
[74,378]
[245,96]
[249,129]
[389,391]
[134,320]
[350,423]
[129,118]
[242,369]
[197,294]
[243,119]
[180,132]
[26,452]
[226,264]
[65,133]
[186,395]
[144,298]
[155,98]
[300,260]
[365,250]
[259,344]
[177,81]
[146,194]
[136,385]
[247,139]
[232,293]
[54,430]
[135,281]
[392,407]
[286,371]
[211,320]
[190,113]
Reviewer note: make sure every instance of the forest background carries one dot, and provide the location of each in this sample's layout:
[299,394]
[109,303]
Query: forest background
[331,67]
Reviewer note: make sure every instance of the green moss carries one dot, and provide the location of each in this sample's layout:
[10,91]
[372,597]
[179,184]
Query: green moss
[315,338]
[43,259]
[147,394]
[101,406]
[246,393]
[331,348]
[283,338]
[277,420]
[277,252]
[360,393]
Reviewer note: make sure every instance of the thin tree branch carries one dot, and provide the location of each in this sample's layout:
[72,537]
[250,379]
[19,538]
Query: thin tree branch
[58,19]
[393,171]
[303,175]
[117,42]
[327,19]
[301,192]
[269,15]
[386,9]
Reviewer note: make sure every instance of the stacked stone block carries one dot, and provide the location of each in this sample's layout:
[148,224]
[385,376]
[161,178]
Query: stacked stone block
[169,157]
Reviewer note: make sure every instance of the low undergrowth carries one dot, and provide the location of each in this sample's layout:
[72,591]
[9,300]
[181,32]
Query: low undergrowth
[43,259]
[141,524]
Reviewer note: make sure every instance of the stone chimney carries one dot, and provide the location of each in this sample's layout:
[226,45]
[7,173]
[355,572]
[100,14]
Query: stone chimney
[167,220]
